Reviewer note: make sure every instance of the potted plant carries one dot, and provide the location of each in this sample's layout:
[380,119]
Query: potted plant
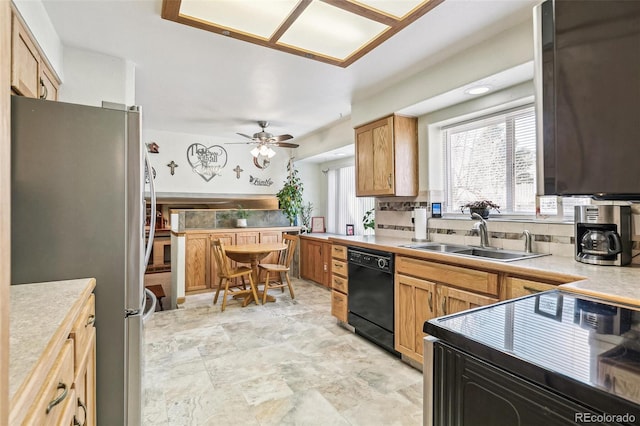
[241,217]
[305,214]
[290,196]
[369,220]
[482,207]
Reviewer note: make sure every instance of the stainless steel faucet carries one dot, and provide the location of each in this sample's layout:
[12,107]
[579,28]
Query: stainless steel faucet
[482,229]
[527,241]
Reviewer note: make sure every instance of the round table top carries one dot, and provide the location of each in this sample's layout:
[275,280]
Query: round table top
[255,248]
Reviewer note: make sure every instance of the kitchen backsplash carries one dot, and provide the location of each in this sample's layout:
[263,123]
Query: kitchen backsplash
[393,219]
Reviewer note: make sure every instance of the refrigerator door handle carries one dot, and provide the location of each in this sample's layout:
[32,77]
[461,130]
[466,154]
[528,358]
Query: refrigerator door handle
[147,313]
[152,223]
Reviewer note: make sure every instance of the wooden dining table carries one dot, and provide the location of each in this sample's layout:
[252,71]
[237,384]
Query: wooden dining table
[253,254]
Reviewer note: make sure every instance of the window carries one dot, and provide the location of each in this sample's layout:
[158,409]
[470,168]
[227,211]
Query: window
[343,207]
[492,158]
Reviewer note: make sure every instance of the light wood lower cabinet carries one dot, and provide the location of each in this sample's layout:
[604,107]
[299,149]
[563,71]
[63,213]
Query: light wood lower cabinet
[315,261]
[61,390]
[518,287]
[340,283]
[415,303]
[201,271]
[426,290]
[197,262]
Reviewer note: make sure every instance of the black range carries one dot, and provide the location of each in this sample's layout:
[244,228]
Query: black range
[565,352]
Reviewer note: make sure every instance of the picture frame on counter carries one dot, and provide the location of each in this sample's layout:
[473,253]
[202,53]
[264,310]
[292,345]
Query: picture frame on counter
[317,224]
[350,229]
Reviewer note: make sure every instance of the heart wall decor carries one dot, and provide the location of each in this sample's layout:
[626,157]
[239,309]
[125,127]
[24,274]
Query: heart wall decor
[206,161]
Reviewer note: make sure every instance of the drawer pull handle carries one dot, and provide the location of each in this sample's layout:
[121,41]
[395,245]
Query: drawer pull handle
[60,398]
[431,301]
[531,289]
[444,305]
[91,320]
[84,409]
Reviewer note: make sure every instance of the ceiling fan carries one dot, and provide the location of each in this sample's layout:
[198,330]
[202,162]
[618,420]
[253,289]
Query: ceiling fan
[265,140]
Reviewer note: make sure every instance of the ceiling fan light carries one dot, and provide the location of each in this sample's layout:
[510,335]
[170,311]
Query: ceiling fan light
[264,150]
[270,153]
[255,152]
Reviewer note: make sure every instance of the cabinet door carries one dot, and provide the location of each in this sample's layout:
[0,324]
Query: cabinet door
[451,300]
[375,158]
[85,385]
[414,304]
[313,261]
[25,62]
[247,238]
[197,262]
[271,237]
[469,391]
[518,287]
[227,239]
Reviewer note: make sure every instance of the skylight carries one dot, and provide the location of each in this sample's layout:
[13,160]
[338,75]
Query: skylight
[337,32]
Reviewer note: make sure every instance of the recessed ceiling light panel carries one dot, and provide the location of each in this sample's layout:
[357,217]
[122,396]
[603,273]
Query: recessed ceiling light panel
[395,8]
[330,31]
[260,18]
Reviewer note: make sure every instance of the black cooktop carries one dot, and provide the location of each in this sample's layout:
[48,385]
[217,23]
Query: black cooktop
[579,346]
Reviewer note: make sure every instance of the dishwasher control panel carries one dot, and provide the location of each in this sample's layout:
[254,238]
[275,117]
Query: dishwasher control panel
[372,259]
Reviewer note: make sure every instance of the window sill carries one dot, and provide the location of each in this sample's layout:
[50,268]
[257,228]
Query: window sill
[505,218]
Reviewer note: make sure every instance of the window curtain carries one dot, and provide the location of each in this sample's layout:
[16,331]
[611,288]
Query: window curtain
[343,207]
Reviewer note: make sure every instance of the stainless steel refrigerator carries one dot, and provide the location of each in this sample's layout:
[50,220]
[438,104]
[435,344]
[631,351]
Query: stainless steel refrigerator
[78,210]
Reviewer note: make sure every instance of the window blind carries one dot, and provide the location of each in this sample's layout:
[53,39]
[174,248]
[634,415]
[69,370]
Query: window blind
[492,158]
[343,207]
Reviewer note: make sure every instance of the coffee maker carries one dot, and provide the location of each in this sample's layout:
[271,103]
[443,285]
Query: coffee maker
[603,235]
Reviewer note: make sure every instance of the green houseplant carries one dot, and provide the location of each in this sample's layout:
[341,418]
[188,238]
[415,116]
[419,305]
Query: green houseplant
[241,217]
[290,196]
[481,207]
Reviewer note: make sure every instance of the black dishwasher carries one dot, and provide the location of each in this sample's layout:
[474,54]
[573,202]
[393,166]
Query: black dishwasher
[371,295]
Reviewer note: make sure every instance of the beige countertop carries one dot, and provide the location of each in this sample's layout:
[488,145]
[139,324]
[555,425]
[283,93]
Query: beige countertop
[37,313]
[620,284]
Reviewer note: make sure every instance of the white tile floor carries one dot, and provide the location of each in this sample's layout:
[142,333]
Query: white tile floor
[285,363]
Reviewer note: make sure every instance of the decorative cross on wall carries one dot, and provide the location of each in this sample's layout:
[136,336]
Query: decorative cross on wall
[238,170]
[172,165]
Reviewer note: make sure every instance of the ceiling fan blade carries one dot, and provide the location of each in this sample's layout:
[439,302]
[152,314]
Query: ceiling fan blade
[238,143]
[246,136]
[286,145]
[281,138]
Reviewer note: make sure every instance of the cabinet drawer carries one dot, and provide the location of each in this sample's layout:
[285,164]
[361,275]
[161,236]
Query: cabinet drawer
[339,267]
[340,284]
[339,252]
[51,401]
[469,279]
[518,287]
[82,330]
[339,305]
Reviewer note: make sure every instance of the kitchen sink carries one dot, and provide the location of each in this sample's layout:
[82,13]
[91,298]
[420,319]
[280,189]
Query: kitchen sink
[476,252]
[446,248]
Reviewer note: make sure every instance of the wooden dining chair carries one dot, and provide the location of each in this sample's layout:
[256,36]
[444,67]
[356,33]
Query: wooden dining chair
[281,268]
[226,274]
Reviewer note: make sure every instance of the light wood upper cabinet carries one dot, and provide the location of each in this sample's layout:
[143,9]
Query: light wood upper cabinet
[387,157]
[31,75]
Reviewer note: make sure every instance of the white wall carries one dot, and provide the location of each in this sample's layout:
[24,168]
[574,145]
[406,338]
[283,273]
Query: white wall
[91,78]
[37,19]
[173,147]
[336,135]
[506,50]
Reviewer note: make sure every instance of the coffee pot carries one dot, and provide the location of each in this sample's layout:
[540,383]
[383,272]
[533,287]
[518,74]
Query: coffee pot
[602,243]
[603,234]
